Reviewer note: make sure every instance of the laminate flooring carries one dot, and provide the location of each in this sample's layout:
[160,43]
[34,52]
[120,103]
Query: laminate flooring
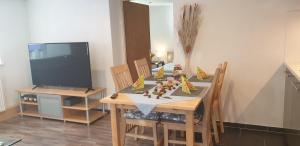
[37,132]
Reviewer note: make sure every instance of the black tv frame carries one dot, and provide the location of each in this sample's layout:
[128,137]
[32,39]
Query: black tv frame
[89,62]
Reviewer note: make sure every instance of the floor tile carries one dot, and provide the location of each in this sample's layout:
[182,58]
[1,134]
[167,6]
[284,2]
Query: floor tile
[275,139]
[251,138]
[230,137]
[292,140]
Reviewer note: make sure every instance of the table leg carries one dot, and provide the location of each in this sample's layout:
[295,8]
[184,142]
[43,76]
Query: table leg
[87,111]
[189,128]
[115,125]
[122,128]
[20,104]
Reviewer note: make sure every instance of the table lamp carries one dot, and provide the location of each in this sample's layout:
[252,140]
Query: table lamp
[170,57]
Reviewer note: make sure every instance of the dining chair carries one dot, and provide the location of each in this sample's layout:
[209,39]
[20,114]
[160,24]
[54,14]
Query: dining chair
[121,76]
[217,106]
[134,119]
[142,67]
[202,124]
[217,101]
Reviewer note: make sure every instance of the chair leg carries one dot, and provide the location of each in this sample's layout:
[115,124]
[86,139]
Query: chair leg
[166,135]
[221,117]
[174,135]
[155,138]
[136,130]
[214,123]
[142,130]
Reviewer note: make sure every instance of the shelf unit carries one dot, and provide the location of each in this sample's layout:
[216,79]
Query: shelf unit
[29,103]
[85,112]
[80,116]
[81,106]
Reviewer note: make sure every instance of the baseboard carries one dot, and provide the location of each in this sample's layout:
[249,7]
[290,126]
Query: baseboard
[9,113]
[262,128]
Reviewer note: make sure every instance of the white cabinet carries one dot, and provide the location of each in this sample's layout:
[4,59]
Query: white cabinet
[50,106]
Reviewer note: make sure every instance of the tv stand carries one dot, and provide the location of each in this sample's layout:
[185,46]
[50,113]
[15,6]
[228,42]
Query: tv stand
[89,89]
[85,112]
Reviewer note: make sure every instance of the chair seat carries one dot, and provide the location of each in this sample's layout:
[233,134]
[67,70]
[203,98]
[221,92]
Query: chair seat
[178,118]
[198,114]
[140,115]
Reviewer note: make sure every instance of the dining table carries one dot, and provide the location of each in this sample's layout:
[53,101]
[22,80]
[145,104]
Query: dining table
[182,105]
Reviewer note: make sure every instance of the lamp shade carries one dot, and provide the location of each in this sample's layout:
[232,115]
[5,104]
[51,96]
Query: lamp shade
[170,57]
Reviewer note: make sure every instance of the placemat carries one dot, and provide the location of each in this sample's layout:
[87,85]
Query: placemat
[194,79]
[130,89]
[152,78]
[194,93]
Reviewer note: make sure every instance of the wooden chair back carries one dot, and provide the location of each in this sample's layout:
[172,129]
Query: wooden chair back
[142,67]
[121,76]
[221,79]
[206,132]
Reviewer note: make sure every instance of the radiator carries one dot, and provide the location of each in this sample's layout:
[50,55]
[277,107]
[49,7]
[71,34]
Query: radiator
[2,101]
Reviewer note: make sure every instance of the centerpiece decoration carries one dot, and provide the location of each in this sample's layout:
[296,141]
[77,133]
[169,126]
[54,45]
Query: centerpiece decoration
[188,30]
[162,87]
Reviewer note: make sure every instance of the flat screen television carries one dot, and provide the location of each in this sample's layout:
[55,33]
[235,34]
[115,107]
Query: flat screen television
[60,64]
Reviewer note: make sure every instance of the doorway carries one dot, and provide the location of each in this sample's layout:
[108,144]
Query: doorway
[161,29]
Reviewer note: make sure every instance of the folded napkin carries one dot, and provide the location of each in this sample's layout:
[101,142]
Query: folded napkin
[201,74]
[160,73]
[139,84]
[186,85]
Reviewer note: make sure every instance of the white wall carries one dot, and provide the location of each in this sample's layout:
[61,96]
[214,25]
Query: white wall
[161,29]
[250,35]
[14,35]
[76,20]
[117,31]
[293,36]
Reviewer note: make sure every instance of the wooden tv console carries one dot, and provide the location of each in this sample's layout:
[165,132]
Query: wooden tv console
[86,112]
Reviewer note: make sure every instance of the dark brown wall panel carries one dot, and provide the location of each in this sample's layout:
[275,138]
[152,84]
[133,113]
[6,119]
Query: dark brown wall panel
[137,34]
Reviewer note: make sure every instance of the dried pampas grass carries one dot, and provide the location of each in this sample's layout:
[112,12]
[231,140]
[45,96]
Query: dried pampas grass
[189,26]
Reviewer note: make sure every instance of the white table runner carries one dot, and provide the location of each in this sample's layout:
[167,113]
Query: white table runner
[146,105]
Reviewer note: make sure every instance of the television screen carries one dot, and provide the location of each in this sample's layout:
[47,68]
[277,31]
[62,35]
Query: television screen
[60,64]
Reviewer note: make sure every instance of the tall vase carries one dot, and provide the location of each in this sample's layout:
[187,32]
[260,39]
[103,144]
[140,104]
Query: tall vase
[187,66]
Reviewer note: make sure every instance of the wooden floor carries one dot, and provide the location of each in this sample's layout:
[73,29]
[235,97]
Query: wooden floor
[36,132]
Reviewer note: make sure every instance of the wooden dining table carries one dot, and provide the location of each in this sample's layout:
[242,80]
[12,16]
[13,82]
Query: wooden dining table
[123,102]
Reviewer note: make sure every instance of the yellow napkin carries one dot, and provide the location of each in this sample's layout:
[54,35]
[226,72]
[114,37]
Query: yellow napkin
[139,84]
[201,74]
[160,73]
[186,85]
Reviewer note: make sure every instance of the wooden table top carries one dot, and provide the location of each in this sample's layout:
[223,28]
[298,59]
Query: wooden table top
[188,105]
[61,91]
